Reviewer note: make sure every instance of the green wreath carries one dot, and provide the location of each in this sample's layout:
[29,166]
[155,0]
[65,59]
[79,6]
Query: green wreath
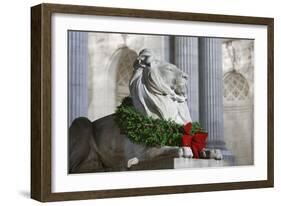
[148,131]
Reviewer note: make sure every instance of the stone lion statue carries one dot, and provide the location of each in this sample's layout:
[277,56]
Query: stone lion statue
[158,89]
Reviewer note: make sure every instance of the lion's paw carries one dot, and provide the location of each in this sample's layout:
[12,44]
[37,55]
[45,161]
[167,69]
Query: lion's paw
[216,154]
[187,152]
[132,162]
[180,152]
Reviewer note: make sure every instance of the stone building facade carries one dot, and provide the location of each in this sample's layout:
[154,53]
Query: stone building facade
[238,69]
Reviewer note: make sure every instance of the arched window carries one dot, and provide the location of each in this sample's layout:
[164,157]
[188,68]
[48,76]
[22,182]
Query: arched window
[236,87]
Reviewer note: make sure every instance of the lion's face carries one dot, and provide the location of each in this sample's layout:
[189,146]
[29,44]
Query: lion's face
[171,76]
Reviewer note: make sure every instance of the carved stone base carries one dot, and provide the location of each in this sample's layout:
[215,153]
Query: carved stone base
[179,163]
[198,163]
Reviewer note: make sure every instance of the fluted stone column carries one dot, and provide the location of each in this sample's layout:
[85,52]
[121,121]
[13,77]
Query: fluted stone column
[166,48]
[211,90]
[186,58]
[77,75]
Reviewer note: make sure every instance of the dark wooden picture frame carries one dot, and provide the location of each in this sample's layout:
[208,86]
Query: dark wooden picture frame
[41,101]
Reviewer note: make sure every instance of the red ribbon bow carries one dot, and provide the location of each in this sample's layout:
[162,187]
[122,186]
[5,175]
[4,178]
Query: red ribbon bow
[196,142]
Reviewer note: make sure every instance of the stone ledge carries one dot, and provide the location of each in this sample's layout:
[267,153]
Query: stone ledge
[198,163]
[179,163]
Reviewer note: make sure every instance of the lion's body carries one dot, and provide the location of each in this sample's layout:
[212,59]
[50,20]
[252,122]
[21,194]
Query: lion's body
[100,146]
[158,90]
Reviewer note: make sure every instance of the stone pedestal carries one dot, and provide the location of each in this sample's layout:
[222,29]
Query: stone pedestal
[198,163]
[186,58]
[180,163]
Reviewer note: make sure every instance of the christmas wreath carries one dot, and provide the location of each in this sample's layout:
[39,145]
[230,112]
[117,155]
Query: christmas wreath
[157,132]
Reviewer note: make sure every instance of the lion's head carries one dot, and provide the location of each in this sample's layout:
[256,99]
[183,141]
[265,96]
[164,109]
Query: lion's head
[158,89]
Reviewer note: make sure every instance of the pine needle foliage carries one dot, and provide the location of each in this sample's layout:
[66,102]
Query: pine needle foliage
[148,131]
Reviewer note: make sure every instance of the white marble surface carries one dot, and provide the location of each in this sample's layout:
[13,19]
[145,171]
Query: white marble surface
[198,163]
[180,163]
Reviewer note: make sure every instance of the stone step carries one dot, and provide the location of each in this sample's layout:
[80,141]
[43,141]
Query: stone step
[179,163]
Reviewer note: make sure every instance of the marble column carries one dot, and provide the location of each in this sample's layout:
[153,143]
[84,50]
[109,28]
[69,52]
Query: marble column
[77,75]
[211,90]
[186,58]
[166,52]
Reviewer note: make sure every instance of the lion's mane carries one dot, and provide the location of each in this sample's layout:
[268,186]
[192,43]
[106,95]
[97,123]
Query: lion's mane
[152,96]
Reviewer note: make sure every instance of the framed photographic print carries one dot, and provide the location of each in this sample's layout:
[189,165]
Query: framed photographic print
[130,102]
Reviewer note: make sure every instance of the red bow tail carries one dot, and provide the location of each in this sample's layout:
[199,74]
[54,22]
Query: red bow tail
[187,127]
[196,142]
[186,140]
